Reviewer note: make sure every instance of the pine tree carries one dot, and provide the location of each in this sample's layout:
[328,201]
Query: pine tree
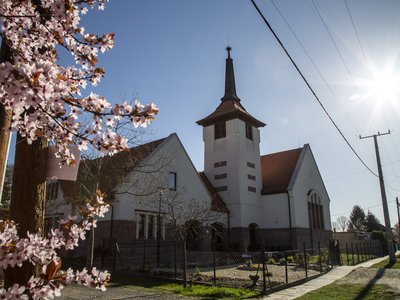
[372,223]
[357,219]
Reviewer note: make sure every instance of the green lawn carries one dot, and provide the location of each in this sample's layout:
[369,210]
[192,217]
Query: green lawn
[387,265]
[357,291]
[156,284]
[351,291]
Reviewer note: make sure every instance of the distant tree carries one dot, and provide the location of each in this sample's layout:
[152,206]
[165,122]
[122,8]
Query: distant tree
[342,223]
[335,226]
[372,223]
[356,219]
[187,217]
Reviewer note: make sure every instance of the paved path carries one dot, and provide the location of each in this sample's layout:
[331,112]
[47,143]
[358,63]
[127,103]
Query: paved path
[328,278]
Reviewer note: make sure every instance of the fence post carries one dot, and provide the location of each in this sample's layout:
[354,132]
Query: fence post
[115,257]
[358,254]
[305,258]
[213,253]
[320,258]
[347,255]
[102,254]
[144,255]
[286,269]
[369,250]
[175,258]
[364,251]
[262,257]
[352,254]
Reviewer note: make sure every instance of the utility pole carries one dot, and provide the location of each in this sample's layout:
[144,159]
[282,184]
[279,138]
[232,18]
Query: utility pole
[398,212]
[392,256]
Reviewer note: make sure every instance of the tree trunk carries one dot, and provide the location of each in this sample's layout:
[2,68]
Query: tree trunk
[28,198]
[5,121]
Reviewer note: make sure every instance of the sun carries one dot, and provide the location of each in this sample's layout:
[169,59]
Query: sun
[384,85]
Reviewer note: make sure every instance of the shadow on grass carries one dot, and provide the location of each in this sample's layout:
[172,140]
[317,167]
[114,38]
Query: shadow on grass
[389,265]
[364,292]
[120,279]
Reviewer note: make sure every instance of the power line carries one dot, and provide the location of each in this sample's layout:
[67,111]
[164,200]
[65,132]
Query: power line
[364,208]
[372,77]
[358,38]
[310,88]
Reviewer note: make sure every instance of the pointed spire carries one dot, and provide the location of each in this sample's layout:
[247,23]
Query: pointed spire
[230,88]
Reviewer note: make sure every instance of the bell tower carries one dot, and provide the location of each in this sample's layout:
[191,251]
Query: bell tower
[232,156]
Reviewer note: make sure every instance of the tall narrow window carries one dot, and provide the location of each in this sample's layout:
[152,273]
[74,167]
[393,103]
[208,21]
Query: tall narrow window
[172,181]
[219,130]
[315,211]
[249,131]
[150,227]
[141,226]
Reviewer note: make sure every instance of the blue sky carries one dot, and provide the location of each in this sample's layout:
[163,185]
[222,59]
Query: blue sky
[173,53]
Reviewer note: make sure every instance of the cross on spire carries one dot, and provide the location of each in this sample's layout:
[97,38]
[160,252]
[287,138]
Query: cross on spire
[230,87]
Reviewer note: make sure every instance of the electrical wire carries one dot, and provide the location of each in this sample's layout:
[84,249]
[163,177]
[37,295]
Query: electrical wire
[310,88]
[370,73]
[364,208]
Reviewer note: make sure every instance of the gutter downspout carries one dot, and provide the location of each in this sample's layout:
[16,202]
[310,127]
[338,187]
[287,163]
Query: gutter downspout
[290,220]
[229,227]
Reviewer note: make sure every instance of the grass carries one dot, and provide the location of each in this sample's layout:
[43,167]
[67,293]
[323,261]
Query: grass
[351,291]
[213,292]
[348,259]
[385,264]
[144,283]
[357,291]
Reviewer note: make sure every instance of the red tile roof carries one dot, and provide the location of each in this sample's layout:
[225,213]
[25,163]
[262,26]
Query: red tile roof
[228,110]
[277,170]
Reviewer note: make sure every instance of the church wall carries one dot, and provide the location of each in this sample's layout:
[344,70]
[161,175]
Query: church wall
[275,211]
[308,179]
[155,173]
[237,151]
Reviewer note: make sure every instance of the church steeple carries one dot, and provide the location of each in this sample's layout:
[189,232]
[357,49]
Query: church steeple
[230,107]
[230,87]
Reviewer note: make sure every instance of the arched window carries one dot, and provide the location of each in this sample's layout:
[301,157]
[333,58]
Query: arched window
[193,228]
[252,233]
[315,211]
[218,233]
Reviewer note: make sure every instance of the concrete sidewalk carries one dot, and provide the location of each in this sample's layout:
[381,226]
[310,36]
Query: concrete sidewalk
[314,284]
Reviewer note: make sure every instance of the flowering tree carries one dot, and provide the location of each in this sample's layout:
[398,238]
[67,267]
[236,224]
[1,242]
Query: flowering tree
[45,97]
[41,252]
[48,101]
[396,233]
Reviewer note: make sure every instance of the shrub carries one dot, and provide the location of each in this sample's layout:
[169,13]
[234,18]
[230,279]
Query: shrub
[271,261]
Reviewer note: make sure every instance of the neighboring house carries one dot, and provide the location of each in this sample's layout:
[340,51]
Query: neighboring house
[142,183]
[277,199]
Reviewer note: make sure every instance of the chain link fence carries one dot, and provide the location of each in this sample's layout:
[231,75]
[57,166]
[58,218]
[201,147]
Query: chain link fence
[261,270]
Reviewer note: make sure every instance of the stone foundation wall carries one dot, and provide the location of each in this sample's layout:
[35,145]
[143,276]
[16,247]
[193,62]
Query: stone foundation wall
[279,239]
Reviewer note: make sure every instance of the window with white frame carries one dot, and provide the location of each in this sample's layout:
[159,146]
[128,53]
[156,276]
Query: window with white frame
[172,181]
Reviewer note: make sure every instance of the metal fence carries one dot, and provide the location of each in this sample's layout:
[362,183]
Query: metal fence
[352,253]
[260,270]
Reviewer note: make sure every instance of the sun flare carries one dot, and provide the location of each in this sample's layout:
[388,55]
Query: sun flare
[384,86]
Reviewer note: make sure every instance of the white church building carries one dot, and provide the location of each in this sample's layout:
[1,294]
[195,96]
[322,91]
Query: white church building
[277,199]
